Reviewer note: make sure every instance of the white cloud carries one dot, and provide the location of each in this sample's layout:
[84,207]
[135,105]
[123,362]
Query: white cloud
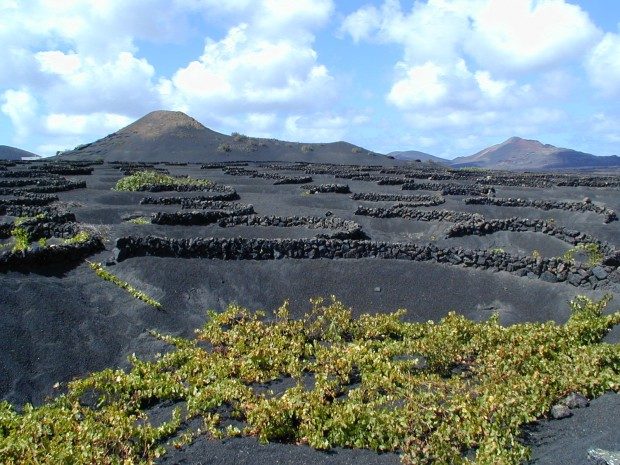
[260,124]
[266,64]
[603,65]
[21,107]
[451,87]
[63,124]
[473,68]
[608,127]
[431,31]
[500,35]
[82,84]
[423,84]
[362,23]
[315,128]
[522,35]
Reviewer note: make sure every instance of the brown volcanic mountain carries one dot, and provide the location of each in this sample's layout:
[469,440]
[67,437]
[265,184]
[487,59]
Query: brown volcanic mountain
[173,136]
[13,153]
[524,154]
[417,155]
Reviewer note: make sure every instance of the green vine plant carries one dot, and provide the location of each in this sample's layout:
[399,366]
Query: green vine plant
[21,239]
[591,250]
[453,392]
[142,179]
[79,238]
[140,220]
[23,219]
[107,276]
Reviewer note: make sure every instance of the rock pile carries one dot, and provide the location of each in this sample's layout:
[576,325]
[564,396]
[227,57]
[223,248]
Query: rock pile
[478,226]
[326,188]
[608,213]
[408,212]
[448,188]
[411,200]
[547,269]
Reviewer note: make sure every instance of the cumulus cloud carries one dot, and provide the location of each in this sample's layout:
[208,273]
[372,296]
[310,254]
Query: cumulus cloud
[21,107]
[79,63]
[500,36]
[522,35]
[266,64]
[63,124]
[82,84]
[476,67]
[452,87]
[603,65]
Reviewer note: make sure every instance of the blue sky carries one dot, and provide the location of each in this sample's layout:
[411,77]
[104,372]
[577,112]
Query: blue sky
[448,77]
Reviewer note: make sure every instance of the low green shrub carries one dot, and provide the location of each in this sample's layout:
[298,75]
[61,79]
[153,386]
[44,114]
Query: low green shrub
[23,219]
[591,250]
[79,238]
[434,392]
[142,179]
[21,238]
[107,276]
[237,137]
[141,220]
[223,147]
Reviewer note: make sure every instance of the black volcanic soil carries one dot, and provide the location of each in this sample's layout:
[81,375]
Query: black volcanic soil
[58,323]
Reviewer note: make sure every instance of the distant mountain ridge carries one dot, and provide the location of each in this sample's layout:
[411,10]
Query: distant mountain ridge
[13,153]
[173,136]
[416,155]
[525,154]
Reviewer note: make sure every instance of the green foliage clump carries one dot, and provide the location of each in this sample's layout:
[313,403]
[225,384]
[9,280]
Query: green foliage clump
[107,276]
[79,238]
[307,148]
[497,250]
[141,220]
[23,219]
[143,179]
[223,147]
[454,391]
[21,238]
[591,250]
[237,137]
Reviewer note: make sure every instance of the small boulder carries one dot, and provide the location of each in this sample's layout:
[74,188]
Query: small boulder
[575,400]
[587,200]
[549,277]
[603,457]
[599,272]
[560,411]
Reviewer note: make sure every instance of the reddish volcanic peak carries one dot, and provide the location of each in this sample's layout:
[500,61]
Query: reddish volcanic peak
[162,122]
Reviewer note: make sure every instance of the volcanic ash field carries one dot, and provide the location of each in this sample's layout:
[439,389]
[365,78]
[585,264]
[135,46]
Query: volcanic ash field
[419,237]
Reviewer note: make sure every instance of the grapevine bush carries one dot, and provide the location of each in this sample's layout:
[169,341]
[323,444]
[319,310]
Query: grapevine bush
[107,276]
[453,391]
[143,179]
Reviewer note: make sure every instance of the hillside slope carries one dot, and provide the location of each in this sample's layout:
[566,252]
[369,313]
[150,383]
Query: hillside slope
[173,136]
[417,155]
[13,153]
[524,154]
